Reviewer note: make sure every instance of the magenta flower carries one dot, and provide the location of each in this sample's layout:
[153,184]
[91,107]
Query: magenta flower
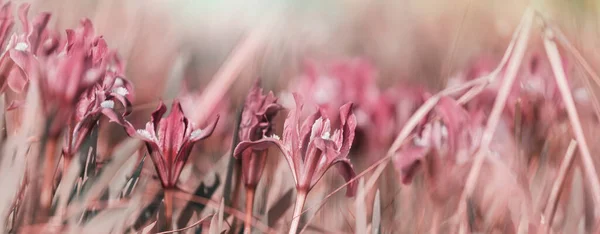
[256,124]
[98,101]
[311,150]
[168,140]
[65,75]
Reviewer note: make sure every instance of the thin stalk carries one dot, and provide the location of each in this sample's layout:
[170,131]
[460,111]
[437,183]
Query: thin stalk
[300,199]
[168,200]
[249,207]
[558,183]
[46,196]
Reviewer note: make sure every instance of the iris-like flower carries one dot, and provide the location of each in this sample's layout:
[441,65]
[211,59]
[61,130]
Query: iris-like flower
[65,75]
[311,150]
[168,140]
[98,101]
[256,124]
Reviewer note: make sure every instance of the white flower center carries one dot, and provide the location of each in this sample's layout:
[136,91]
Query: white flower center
[21,46]
[120,91]
[274,136]
[326,135]
[196,133]
[108,104]
[145,133]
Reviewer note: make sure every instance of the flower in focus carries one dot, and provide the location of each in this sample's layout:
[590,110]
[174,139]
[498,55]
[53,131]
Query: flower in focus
[256,124]
[168,140]
[311,150]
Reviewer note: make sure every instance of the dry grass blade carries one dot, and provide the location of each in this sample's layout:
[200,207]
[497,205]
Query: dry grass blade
[361,209]
[66,186]
[115,188]
[216,224]
[122,153]
[558,183]
[494,117]
[188,227]
[561,80]
[236,213]
[227,74]
[376,222]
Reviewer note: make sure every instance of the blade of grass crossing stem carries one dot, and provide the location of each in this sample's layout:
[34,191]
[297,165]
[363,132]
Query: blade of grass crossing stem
[561,80]
[494,117]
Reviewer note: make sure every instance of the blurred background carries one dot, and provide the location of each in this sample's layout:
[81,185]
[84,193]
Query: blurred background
[423,41]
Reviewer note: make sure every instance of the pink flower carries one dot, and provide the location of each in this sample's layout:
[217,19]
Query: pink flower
[448,135]
[256,124]
[65,75]
[101,100]
[168,140]
[311,150]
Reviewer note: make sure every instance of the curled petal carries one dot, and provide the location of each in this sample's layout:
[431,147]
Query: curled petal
[157,115]
[348,122]
[345,168]
[124,101]
[264,144]
[115,117]
[204,133]
[408,161]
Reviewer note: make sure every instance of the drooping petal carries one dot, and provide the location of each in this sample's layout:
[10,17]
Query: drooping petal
[264,144]
[200,134]
[408,160]
[325,157]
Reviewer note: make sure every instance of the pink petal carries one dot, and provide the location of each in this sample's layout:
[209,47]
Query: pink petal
[348,122]
[206,132]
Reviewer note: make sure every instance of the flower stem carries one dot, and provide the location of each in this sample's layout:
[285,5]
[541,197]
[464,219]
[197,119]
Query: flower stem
[168,200]
[46,196]
[249,207]
[300,199]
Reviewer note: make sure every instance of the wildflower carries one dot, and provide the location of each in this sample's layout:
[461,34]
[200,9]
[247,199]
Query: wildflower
[257,116]
[168,140]
[311,150]
[99,100]
[256,124]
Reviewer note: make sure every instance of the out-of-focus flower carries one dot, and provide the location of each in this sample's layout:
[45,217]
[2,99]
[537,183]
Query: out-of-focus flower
[352,80]
[168,140]
[65,75]
[443,141]
[101,99]
[256,123]
[311,150]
